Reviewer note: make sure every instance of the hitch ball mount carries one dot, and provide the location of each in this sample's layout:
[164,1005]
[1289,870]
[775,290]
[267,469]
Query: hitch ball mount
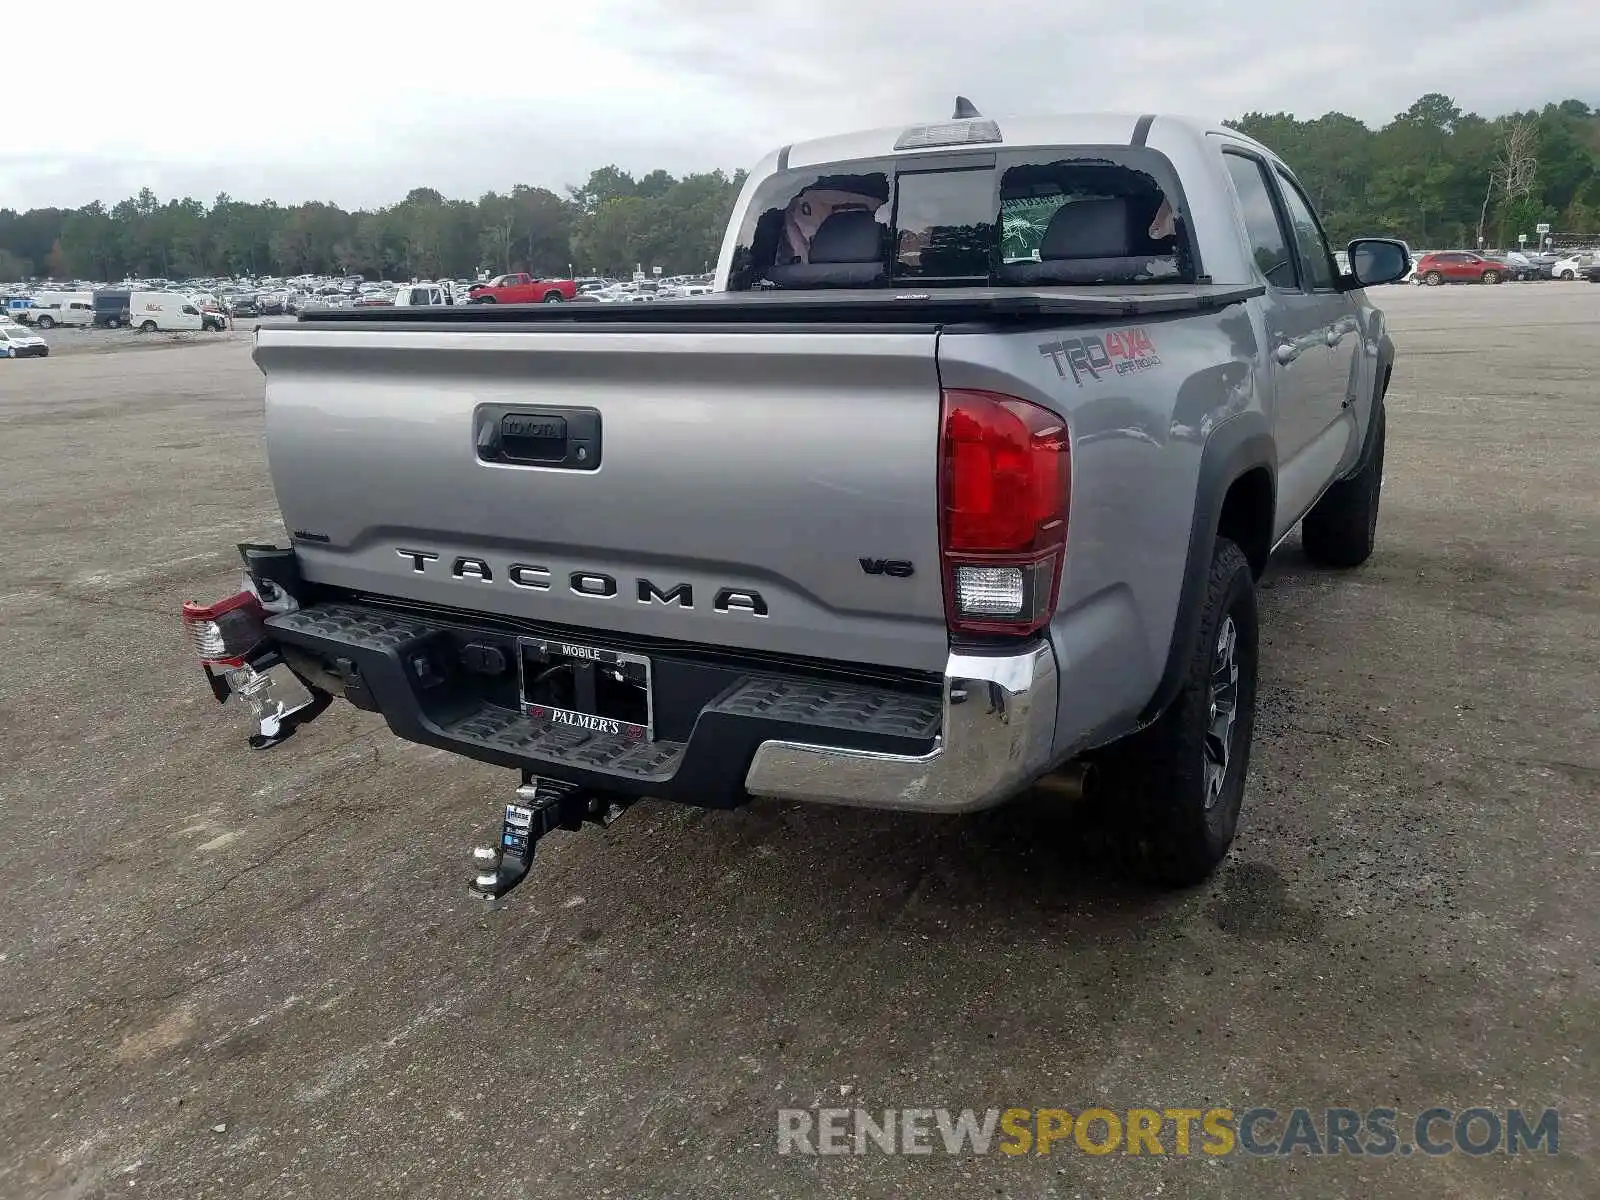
[542,805]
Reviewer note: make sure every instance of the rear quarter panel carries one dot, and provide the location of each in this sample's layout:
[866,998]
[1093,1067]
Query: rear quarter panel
[1138,424]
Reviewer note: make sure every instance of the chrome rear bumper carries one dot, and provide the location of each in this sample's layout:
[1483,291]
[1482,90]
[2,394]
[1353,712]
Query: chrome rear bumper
[997,737]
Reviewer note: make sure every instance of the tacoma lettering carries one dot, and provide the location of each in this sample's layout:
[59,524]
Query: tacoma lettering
[524,576]
[598,585]
[682,595]
[592,583]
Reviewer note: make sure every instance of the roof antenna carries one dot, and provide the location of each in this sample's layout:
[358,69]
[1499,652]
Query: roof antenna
[965,109]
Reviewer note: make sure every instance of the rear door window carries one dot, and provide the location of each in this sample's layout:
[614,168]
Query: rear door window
[1314,256]
[1269,239]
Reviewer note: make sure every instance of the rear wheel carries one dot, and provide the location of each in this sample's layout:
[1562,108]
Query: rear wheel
[1491,276]
[1342,528]
[553,298]
[485,300]
[148,327]
[46,323]
[1433,278]
[1180,781]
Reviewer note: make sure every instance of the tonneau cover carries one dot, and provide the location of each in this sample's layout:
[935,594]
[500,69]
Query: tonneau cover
[867,305]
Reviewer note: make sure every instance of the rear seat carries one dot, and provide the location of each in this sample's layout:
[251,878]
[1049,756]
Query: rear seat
[847,251]
[1087,241]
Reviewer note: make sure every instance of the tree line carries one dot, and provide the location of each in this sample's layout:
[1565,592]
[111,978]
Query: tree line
[1441,178]
[608,226]
[1434,176]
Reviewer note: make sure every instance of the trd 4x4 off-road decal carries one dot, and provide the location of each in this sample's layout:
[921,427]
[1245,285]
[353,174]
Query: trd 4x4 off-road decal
[1120,352]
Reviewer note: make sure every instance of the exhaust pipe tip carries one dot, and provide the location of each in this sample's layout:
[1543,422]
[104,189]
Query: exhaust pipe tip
[1071,782]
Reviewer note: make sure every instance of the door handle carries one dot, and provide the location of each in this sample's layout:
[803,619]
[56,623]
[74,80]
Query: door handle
[1286,352]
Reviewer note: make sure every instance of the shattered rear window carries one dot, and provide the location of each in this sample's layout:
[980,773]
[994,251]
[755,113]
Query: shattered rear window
[1069,215]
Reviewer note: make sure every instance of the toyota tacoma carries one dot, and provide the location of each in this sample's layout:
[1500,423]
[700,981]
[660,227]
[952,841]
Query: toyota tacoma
[961,482]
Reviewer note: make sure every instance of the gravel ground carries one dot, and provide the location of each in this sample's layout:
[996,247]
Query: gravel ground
[225,973]
[65,341]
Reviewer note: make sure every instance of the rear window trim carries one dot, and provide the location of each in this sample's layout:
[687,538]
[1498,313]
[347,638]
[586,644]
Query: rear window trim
[1000,160]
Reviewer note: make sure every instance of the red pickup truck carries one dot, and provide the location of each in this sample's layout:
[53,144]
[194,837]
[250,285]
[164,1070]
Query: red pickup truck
[522,288]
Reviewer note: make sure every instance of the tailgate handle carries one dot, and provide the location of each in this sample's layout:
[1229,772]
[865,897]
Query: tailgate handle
[563,438]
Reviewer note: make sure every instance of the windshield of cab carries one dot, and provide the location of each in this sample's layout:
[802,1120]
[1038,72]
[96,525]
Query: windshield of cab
[1069,215]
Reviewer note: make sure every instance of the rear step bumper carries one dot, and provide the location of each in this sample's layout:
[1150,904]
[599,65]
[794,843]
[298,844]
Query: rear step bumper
[981,736]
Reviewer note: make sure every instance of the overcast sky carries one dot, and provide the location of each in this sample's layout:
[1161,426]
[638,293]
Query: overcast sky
[301,101]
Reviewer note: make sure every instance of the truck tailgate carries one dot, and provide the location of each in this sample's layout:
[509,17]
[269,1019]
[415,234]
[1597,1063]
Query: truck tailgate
[760,468]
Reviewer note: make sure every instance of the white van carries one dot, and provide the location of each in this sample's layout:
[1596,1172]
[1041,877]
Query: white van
[168,311]
[423,295]
[50,309]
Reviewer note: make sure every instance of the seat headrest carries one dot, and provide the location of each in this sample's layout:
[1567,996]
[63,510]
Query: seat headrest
[1087,229]
[853,236]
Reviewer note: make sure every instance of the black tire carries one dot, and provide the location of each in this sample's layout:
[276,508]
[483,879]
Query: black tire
[1491,276]
[46,323]
[1341,529]
[1180,808]
[1433,279]
[553,298]
[485,300]
[148,327]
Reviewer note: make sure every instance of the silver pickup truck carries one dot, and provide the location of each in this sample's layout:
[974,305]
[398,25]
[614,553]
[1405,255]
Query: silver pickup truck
[960,483]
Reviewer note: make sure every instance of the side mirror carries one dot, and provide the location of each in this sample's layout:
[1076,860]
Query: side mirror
[1377,260]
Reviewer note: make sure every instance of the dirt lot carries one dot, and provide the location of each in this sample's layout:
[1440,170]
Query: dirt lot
[64,341]
[225,973]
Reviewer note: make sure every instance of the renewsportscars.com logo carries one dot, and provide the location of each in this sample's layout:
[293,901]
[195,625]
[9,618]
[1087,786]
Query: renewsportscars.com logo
[1180,1132]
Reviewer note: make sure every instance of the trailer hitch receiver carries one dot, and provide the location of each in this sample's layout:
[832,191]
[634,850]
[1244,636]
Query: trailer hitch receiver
[542,805]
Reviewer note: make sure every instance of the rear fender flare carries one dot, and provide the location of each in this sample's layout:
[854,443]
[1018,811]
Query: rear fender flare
[1235,447]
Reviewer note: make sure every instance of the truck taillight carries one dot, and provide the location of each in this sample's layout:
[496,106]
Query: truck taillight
[223,634]
[1005,480]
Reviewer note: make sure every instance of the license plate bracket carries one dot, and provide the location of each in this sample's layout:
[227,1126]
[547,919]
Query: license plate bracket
[577,686]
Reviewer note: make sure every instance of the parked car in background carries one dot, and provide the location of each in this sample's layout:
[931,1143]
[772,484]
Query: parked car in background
[1460,266]
[1594,271]
[169,312]
[244,306]
[423,295]
[522,288]
[111,308]
[1522,267]
[19,342]
[1573,266]
[50,309]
